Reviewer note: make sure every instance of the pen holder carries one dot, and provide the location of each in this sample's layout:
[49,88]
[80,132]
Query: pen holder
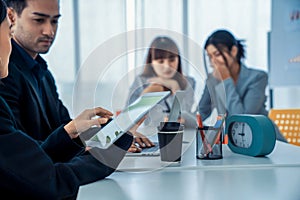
[209,143]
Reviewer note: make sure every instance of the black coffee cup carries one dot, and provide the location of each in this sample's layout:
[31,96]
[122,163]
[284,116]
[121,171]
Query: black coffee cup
[170,136]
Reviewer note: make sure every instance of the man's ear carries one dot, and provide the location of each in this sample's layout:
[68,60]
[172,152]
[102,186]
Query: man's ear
[234,51]
[11,13]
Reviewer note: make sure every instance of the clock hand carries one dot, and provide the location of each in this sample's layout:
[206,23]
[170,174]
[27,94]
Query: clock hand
[243,127]
[242,133]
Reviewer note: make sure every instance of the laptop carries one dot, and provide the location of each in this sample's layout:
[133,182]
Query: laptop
[128,117]
[151,151]
[175,111]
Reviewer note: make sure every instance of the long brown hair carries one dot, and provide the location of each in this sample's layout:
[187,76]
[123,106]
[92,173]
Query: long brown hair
[163,47]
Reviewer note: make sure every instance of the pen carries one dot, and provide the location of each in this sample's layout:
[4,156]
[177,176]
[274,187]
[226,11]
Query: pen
[199,120]
[219,125]
[206,145]
[225,136]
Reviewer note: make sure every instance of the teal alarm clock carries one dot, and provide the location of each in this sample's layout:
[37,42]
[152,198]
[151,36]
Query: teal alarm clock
[252,135]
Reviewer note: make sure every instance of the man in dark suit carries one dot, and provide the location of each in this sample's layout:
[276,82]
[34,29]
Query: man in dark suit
[30,88]
[28,169]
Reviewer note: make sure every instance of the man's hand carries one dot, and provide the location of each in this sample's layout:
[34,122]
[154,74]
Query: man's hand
[140,141]
[134,148]
[86,120]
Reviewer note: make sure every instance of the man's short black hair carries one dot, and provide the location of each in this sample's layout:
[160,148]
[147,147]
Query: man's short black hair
[2,11]
[17,5]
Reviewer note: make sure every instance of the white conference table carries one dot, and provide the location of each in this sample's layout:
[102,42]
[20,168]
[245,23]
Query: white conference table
[276,177]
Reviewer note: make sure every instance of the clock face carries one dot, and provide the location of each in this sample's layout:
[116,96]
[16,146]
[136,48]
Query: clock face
[252,135]
[241,134]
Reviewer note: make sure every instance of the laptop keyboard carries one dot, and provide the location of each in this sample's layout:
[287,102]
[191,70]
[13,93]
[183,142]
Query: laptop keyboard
[152,151]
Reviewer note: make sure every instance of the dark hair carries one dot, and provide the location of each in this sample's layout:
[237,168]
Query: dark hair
[160,48]
[224,39]
[3,11]
[17,5]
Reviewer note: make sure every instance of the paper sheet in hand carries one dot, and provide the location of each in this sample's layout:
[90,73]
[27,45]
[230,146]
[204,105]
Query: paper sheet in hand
[126,119]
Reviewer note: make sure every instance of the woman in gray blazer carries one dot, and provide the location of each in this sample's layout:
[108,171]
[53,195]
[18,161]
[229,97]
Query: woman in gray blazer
[232,88]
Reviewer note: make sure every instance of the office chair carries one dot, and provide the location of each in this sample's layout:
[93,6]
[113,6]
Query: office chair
[288,122]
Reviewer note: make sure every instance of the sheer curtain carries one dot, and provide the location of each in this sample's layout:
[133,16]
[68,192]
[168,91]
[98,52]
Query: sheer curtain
[196,19]
[110,39]
[247,19]
[102,43]
[92,83]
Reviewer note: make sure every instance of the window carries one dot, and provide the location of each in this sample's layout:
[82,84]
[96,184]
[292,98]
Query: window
[101,45]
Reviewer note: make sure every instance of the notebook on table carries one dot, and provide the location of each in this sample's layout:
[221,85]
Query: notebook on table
[127,118]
